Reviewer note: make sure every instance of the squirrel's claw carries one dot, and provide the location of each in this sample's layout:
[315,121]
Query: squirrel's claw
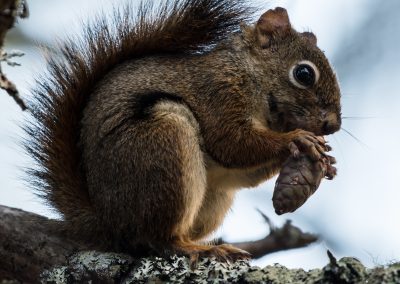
[307,142]
[222,253]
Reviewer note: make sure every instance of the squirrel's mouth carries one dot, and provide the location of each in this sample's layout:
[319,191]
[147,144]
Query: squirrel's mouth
[286,122]
[275,118]
[281,119]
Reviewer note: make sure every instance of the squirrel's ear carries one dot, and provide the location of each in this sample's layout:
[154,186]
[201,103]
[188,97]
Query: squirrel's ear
[272,22]
[310,37]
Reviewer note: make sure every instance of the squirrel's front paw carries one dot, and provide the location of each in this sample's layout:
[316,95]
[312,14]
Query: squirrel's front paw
[307,142]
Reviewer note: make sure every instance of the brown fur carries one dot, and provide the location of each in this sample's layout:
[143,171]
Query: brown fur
[146,130]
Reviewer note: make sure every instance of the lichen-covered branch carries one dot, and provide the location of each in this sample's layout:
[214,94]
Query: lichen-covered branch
[47,248]
[30,251]
[95,267]
[9,11]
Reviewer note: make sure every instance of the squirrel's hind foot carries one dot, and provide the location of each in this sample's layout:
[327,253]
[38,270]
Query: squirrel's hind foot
[222,253]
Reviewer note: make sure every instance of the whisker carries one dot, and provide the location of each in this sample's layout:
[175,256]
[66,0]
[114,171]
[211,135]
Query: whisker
[347,94]
[340,148]
[358,117]
[354,137]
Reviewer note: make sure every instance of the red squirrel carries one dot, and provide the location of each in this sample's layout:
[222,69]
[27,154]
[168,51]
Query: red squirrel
[147,127]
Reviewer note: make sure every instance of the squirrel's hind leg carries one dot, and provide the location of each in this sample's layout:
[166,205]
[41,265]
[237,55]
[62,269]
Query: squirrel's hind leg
[146,177]
[193,194]
[173,174]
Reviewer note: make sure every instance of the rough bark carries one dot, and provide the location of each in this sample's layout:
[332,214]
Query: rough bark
[112,268]
[27,246]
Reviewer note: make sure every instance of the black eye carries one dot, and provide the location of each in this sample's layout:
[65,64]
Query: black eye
[304,74]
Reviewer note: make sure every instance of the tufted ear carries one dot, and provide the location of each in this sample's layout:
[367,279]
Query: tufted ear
[310,37]
[272,22]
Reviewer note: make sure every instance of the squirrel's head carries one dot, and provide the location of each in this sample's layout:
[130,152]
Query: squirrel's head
[297,83]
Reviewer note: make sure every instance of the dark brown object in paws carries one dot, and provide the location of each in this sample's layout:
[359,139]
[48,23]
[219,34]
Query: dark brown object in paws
[298,180]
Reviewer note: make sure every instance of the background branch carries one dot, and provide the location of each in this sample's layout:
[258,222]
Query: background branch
[9,11]
[284,238]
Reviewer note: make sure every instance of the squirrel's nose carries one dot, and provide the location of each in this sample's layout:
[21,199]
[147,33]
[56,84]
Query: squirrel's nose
[331,124]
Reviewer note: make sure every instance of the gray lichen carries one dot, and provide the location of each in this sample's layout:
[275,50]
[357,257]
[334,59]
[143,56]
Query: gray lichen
[177,270]
[96,267]
[90,265]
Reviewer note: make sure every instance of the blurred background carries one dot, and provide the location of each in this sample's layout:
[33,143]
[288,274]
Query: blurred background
[357,214]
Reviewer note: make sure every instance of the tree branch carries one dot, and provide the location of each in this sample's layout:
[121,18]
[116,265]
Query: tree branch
[27,246]
[31,252]
[9,11]
[287,237]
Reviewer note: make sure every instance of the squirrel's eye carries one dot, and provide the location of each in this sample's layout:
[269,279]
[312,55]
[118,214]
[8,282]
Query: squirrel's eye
[304,74]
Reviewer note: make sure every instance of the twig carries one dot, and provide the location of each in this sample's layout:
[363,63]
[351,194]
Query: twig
[9,11]
[284,238]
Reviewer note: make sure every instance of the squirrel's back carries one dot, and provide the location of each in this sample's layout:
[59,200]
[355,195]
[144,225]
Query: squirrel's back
[175,28]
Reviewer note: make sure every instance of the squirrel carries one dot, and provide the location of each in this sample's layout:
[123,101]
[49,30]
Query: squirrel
[149,124]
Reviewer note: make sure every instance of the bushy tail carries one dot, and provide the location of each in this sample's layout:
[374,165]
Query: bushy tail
[176,27]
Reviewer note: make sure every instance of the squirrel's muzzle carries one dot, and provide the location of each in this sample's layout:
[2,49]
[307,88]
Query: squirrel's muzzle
[331,124]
